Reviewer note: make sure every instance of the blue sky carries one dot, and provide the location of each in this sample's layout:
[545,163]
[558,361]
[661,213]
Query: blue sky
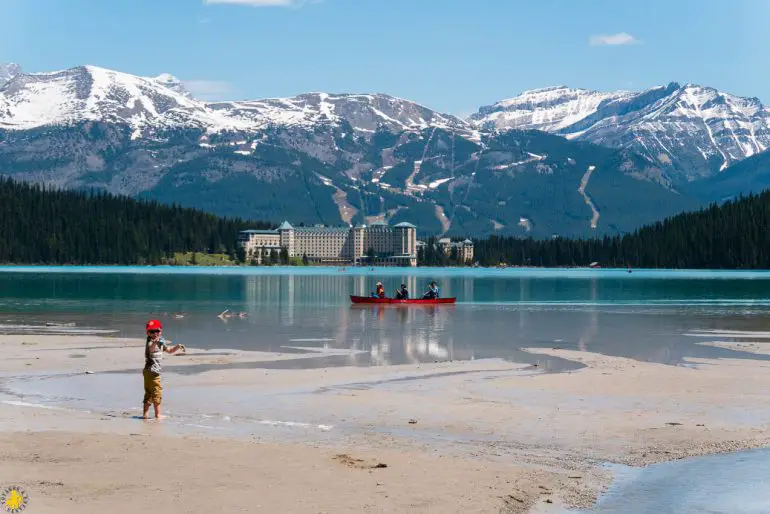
[452,55]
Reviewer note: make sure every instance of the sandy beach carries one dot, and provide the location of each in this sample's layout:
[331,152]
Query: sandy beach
[251,432]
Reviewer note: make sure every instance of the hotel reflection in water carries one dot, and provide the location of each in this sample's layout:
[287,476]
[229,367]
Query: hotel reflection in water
[375,334]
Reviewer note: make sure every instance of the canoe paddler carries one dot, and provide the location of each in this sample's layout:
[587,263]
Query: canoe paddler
[380,292]
[432,293]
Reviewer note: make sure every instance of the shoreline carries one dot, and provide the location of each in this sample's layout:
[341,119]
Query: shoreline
[531,271]
[521,436]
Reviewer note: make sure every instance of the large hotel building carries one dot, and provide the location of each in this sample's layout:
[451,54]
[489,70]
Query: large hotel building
[377,243]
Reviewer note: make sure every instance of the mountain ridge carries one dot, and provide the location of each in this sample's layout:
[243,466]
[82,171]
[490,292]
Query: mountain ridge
[8,71]
[720,129]
[93,93]
[347,158]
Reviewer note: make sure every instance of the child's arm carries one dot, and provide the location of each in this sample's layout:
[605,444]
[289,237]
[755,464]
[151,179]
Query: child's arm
[175,348]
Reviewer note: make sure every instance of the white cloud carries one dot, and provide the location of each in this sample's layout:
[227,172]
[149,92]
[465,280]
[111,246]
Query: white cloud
[209,90]
[255,3]
[621,38]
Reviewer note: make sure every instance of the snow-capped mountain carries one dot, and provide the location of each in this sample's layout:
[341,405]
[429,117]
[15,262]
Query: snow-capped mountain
[688,131]
[364,112]
[348,158]
[173,83]
[549,109]
[149,104]
[693,130]
[7,72]
[90,93]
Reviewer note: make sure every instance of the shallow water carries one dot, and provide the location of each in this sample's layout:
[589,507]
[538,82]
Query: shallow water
[647,315]
[725,484]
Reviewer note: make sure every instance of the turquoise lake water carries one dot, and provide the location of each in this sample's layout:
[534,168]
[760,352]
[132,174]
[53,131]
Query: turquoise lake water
[658,316]
[647,315]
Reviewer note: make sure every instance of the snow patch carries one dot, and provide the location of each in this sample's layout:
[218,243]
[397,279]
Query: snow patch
[586,198]
[437,183]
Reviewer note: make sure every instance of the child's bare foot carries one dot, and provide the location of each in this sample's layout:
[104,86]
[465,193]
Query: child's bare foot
[145,417]
[160,416]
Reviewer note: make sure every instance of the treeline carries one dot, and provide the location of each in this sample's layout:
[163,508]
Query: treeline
[431,255]
[734,235]
[39,225]
[51,226]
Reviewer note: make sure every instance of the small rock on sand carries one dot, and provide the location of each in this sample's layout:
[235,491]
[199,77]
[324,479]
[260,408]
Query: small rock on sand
[357,463]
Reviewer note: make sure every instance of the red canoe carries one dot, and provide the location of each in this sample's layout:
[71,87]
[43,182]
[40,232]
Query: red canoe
[411,301]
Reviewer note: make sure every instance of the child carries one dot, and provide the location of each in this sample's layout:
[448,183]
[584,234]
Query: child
[153,354]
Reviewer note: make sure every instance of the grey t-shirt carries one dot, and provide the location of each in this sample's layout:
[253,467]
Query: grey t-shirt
[152,359]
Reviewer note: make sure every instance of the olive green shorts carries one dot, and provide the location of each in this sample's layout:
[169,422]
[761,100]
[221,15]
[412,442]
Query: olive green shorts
[153,391]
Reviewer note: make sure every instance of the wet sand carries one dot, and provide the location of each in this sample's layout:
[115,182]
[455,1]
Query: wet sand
[474,436]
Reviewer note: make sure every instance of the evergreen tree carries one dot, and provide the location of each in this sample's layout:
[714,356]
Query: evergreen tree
[240,255]
[733,235]
[39,225]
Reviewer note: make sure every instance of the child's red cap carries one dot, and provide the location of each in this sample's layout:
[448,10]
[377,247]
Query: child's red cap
[153,324]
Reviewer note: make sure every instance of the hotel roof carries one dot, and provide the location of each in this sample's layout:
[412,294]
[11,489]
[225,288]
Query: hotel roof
[288,226]
[259,232]
[322,229]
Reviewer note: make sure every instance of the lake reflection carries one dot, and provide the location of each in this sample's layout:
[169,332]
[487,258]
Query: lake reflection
[644,316]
